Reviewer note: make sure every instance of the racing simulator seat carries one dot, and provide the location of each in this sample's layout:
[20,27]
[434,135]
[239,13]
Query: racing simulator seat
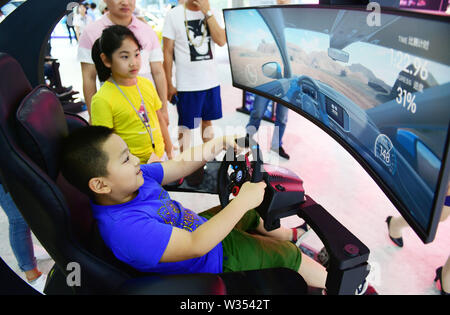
[32,123]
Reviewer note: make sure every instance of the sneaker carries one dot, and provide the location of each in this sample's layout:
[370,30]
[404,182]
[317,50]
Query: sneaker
[281,152]
[362,288]
[305,227]
[365,288]
[39,283]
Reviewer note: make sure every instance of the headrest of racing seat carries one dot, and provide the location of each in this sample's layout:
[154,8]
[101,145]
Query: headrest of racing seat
[41,128]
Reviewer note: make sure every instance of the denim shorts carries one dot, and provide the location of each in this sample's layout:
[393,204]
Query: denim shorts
[195,106]
[19,233]
[243,250]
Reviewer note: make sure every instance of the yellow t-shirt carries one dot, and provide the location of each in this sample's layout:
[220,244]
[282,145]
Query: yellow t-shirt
[111,109]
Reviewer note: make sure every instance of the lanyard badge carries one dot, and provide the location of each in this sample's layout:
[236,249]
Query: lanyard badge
[142,112]
[143,115]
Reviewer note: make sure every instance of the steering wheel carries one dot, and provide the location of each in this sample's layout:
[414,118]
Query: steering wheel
[284,191]
[309,80]
[235,170]
[307,103]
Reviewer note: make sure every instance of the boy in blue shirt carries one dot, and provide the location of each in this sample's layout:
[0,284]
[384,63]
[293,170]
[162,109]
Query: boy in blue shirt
[148,230]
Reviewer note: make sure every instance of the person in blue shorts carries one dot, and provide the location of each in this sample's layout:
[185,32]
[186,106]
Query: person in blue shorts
[190,33]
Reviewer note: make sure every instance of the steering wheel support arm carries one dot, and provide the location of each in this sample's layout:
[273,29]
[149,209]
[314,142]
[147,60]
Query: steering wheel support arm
[348,265]
[348,256]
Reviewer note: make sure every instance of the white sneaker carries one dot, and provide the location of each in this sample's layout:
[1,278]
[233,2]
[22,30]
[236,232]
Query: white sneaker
[40,253]
[39,283]
[362,288]
[305,227]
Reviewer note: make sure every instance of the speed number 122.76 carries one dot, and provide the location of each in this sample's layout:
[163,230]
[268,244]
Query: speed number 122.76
[403,61]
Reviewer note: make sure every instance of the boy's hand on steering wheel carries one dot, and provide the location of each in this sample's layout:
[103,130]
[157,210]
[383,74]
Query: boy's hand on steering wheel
[252,194]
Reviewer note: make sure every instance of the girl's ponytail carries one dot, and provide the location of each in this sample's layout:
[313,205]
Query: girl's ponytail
[103,71]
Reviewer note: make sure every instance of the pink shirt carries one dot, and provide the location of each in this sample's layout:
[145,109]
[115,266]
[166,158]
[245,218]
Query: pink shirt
[151,49]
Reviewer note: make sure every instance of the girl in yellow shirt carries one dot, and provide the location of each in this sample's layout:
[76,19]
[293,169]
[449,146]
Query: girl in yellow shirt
[127,103]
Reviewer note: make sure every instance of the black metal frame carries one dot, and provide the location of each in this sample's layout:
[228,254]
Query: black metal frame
[26,40]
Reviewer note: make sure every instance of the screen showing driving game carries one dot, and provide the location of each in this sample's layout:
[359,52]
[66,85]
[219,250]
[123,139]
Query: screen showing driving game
[378,83]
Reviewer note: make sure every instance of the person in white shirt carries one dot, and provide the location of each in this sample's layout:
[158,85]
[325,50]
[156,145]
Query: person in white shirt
[190,33]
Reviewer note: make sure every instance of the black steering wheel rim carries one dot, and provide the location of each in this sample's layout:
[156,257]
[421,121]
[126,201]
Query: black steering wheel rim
[242,170]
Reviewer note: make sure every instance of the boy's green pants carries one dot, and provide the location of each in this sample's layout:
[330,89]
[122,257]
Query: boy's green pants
[245,251]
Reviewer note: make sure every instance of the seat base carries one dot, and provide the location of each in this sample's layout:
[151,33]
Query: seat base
[274,281]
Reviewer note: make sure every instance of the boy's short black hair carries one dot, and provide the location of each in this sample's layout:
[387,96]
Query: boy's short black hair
[82,156]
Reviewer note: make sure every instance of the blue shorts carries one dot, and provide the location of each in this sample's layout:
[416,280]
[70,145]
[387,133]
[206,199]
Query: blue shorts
[195,106]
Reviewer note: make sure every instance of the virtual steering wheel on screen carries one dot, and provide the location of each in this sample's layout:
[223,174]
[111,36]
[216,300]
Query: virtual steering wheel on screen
[308,103]
[307,79]
[284,191]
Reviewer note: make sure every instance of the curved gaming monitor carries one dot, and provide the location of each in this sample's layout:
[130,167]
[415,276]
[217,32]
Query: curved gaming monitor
[379,85]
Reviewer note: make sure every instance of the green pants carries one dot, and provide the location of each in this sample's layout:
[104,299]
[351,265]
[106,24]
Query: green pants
[245,251]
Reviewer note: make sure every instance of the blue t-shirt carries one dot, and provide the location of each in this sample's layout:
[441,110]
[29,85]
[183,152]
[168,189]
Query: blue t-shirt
[138,231]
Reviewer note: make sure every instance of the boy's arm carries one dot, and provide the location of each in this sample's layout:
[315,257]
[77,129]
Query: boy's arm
[186,245]
[89,75]
[191,160]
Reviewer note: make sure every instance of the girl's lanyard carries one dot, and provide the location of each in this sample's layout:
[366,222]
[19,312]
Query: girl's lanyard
[142,113]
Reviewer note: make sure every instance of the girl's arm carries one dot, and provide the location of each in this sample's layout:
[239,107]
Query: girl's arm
[168,146]
[89,75]
[161,87]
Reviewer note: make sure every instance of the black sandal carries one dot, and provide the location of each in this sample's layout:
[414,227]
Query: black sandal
[439,278]
[397,241]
